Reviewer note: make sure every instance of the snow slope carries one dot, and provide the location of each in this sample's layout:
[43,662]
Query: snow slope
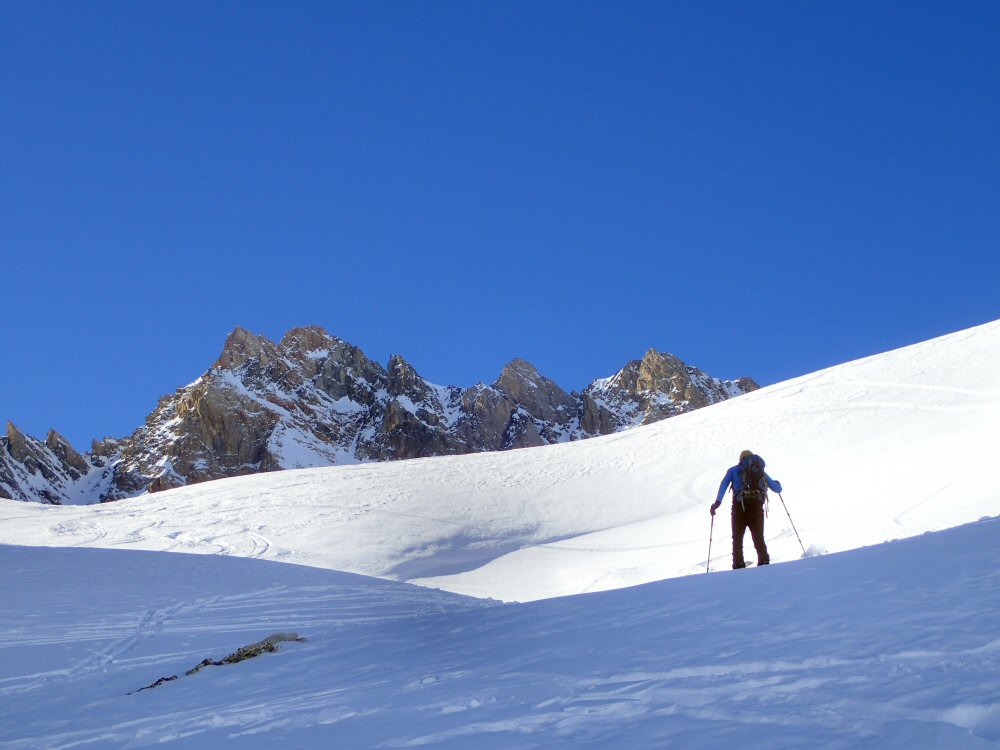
[882,448]
[893,646]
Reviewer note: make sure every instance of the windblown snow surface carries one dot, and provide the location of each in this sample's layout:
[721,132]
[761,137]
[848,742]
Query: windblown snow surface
[893,645]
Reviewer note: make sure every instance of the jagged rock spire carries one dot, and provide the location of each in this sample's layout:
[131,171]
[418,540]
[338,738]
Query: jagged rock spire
[33,470]
[242,346]
[67,454]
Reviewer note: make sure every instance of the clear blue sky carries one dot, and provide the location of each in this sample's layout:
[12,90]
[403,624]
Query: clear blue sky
[760,188]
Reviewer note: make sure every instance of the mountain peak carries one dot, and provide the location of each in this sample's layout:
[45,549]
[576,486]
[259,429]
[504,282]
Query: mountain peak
[518,369]
[61,447]
[537,394]
[307,340]
[240,347]
[660,371]
[652,355]
[404,380]
[19,444]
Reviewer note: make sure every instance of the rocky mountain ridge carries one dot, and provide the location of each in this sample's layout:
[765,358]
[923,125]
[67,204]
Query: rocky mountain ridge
[315,400]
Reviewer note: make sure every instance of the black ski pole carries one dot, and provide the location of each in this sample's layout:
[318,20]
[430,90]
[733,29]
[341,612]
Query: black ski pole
[710,531]
[793,524]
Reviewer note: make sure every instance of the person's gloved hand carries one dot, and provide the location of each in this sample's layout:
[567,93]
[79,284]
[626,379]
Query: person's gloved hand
[715,507]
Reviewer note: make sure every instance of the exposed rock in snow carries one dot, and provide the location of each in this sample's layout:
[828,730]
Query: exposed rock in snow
[650,389]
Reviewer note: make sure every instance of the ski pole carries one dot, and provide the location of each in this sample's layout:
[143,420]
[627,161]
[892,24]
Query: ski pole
[710,530]
[793,524]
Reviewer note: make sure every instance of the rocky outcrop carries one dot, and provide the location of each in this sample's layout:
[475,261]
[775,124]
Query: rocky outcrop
[315,400]
[267,646]
[536,394]
[75,464]
[647,390]
[48,472]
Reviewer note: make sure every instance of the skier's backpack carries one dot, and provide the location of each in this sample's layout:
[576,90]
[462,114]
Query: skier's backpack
[753,479]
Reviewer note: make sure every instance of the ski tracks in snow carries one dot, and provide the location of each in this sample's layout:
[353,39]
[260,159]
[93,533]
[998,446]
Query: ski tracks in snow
[150,622]
[121,635]
[804,693]
[83,533]
[888,647]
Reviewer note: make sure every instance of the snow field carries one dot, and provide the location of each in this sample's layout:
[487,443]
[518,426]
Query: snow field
[893,646]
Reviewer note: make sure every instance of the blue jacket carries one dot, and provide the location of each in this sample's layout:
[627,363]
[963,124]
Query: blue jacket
[734,477]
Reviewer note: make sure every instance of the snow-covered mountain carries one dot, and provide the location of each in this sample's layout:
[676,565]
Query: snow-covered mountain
[885,447]
[315,400]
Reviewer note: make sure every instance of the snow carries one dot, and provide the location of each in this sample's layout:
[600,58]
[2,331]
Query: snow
[232,381]
[342,406]
[882,645]
[450,399]
[893,646]
[297,449]
[89,487]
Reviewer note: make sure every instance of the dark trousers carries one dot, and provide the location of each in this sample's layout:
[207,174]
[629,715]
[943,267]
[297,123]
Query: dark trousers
[749,513]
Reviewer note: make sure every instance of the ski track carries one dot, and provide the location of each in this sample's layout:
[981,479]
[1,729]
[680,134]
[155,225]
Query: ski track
[123,636]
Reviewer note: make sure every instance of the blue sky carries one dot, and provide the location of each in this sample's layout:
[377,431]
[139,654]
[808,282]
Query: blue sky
[760,188]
